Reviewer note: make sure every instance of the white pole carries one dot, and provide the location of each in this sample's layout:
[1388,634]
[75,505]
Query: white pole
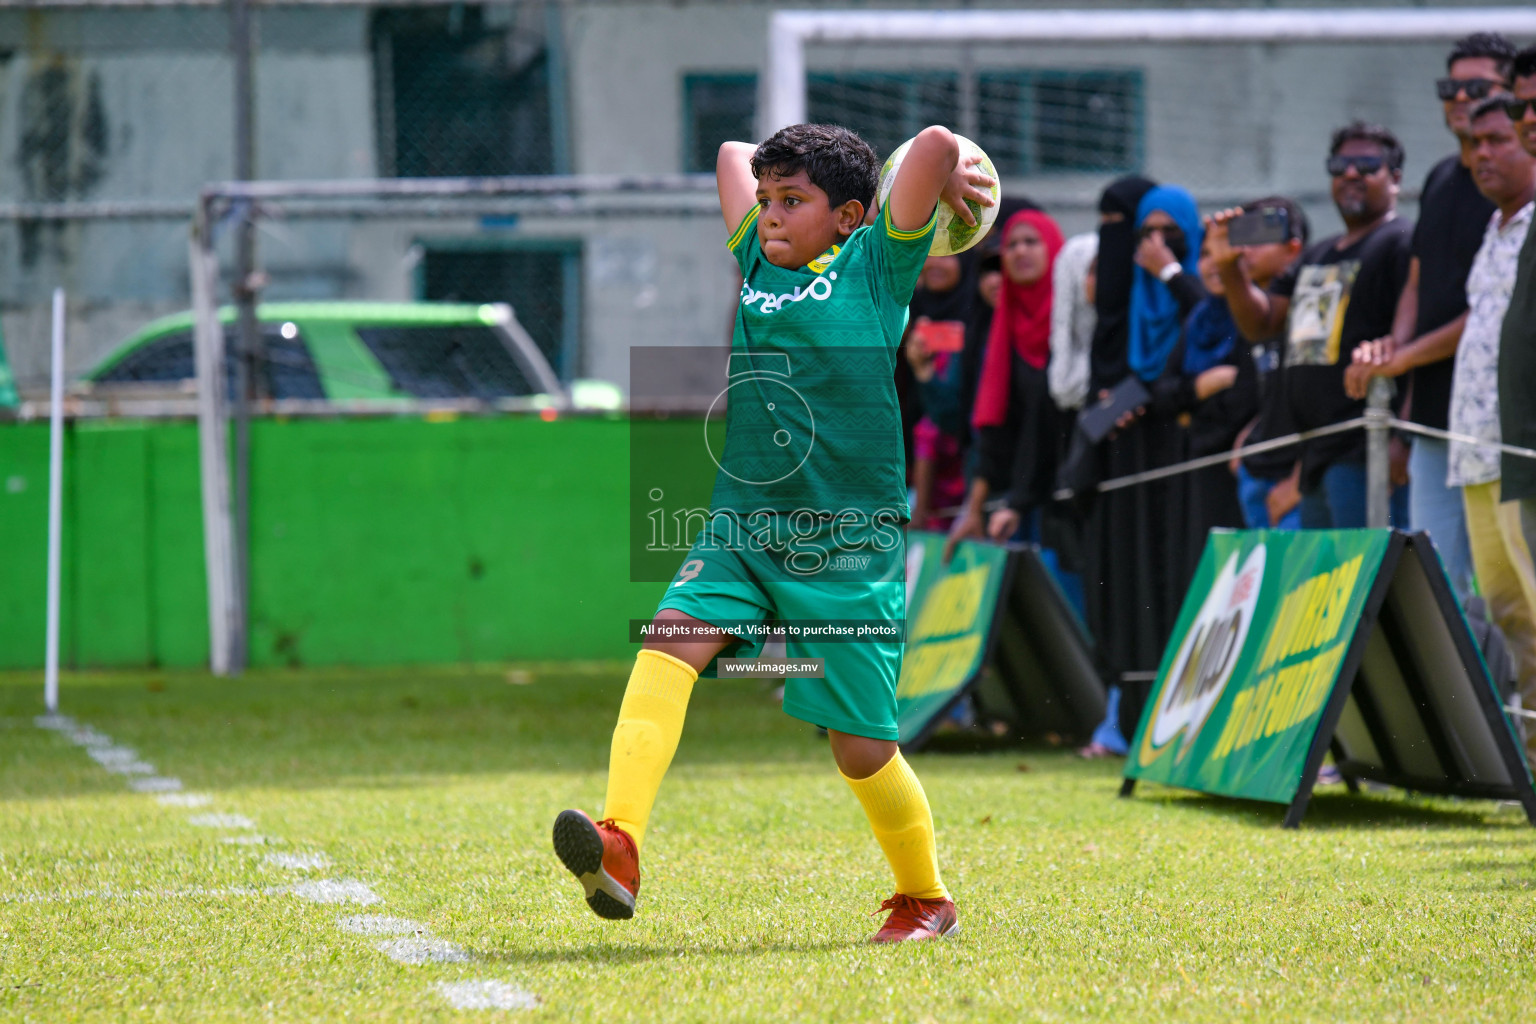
[55,503]
[213,448]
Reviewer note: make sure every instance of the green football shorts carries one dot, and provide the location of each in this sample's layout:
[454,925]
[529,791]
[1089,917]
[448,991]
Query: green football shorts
[850,581]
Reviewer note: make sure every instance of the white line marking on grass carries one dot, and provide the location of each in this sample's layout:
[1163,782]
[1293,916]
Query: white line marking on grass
[414,947]
[221,821]
[166,784]
[131,768]
[172,799]
[374,924]
[335,890]
[188,892]
[109,756]
[486,995]
[298,861]
[422,950]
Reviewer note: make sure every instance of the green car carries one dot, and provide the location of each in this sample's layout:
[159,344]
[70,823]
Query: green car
[355,351]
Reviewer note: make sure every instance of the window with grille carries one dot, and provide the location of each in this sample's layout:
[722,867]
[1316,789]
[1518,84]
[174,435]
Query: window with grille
[885,109]
[461,90]
[541,281]
[1047,122]
[716,109]
[1031,122]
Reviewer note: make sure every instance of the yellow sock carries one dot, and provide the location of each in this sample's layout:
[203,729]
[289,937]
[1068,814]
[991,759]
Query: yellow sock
[898,811]
[650,724]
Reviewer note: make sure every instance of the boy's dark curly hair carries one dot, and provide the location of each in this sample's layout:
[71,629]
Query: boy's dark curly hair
[835,159]
[1391,149]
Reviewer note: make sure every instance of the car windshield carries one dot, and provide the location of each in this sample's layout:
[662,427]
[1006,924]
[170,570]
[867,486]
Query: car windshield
[454,361]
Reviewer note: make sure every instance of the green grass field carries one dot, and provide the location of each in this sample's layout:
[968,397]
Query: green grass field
[434,790]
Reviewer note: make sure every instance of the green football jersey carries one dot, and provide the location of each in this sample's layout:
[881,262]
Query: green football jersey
[812,419]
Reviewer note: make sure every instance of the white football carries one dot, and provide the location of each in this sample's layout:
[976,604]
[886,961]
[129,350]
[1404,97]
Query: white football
[953,234]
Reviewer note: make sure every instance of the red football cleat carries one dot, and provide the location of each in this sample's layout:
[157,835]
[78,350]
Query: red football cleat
[603,858]
[912,918]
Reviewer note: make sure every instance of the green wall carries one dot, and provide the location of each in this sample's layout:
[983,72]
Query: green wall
[379,541]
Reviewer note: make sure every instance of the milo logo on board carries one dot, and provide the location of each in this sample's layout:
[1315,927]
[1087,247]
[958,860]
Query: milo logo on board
[1205,660]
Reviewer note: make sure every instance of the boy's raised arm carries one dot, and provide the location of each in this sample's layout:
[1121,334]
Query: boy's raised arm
[932,172]
[733,177]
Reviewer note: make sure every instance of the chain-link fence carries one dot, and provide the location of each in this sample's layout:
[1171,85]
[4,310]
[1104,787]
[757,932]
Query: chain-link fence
[112,117]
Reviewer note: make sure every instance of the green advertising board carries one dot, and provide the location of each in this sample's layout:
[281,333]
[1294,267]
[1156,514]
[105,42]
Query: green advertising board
[992,607]
[1292,643]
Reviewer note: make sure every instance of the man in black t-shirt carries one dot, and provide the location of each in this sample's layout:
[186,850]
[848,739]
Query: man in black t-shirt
[1420,352]
[1342,291]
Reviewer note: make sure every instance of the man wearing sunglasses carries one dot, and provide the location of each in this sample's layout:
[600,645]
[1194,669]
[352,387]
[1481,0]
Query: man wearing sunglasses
[1517,335]
[1340,292]
[1433,307]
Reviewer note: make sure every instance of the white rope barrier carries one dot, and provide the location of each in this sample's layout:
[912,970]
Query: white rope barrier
[1221,458]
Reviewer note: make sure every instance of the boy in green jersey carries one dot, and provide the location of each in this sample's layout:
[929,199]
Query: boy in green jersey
[807,512]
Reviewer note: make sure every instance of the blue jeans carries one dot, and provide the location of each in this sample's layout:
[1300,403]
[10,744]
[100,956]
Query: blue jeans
[1108,732]
[1252,493]
[1440,511]
[1338,502]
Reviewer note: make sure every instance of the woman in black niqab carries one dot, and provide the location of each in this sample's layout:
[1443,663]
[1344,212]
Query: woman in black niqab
[1130,560]
[1116,272]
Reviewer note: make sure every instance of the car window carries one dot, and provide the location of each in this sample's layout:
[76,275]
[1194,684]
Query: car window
[290,370]
[460,361]
[162,360]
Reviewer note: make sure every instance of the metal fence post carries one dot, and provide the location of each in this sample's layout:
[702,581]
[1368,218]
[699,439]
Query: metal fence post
[1378,472]
[212,437]
[249,357]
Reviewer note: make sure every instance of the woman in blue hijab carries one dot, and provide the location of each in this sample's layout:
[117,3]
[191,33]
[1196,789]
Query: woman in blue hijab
[1167,284]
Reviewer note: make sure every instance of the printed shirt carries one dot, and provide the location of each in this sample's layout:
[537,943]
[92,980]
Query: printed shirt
[812,420]
[1475,383]
[1339,298]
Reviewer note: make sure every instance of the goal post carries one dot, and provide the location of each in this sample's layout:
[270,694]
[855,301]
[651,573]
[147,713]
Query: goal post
[789,33]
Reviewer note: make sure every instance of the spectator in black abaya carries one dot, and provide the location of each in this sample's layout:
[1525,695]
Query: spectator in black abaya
[1115,272]
[1132,591]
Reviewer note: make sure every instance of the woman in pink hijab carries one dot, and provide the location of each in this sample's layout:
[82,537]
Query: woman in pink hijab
[1018,428]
